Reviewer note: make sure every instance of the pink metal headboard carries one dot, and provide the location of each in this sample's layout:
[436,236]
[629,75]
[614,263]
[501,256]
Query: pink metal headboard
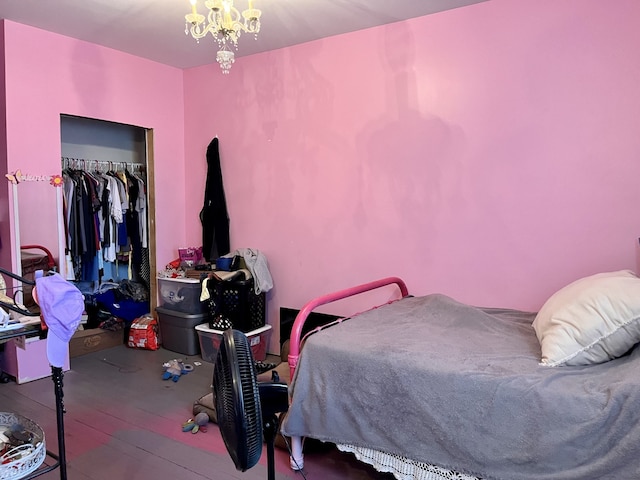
[296,330]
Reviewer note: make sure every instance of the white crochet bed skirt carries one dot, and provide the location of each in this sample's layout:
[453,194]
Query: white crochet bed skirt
[401,467]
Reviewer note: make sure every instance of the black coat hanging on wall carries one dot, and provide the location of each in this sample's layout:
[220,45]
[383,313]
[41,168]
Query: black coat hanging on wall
[214,216]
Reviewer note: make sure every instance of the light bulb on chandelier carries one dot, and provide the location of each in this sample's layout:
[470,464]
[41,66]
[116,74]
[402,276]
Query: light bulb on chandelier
[225,24]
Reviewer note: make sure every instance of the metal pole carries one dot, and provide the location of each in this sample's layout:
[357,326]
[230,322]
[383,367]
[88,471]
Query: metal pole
[57,376]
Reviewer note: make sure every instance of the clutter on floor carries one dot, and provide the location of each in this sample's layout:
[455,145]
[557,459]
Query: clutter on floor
[143,333]
[126,300]
[196,424]
[174,369]
[279,373]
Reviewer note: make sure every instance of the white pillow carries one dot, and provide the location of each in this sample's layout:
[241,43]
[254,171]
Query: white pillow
[592,320]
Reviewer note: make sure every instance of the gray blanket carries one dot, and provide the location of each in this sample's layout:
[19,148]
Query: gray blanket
[460,387]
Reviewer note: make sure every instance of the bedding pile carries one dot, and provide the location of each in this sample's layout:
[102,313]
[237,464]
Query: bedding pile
[462,387]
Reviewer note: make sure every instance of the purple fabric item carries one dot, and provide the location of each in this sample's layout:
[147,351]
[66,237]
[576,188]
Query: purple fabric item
[61,304]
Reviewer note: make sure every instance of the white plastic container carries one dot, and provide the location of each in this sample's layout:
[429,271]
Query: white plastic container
[210,342]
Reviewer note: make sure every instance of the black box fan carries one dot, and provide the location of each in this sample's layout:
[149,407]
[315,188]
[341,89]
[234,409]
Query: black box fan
[247,410]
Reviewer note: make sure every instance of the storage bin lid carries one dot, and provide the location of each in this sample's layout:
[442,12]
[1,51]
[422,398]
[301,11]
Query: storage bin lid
[176,313]
[180,279]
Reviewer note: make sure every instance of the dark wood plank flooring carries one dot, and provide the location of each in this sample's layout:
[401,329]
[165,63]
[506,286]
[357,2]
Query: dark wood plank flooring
[124,422]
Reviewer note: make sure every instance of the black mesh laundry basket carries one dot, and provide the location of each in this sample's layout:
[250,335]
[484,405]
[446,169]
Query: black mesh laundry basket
[237,301]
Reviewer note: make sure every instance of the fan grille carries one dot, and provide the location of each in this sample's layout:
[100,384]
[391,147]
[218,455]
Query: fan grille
[238,400]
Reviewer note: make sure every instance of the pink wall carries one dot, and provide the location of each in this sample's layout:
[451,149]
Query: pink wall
[489,152]
[48,75]
[5,231]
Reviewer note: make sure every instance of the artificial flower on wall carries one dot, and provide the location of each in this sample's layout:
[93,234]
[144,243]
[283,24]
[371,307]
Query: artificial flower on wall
[56,180]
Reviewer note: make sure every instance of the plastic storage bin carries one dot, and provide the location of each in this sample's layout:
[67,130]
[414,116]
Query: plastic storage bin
[177,330]
[181,294]
[239,302]
[210,342]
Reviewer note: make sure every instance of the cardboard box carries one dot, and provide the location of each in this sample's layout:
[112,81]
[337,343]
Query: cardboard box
[25,359]
[93,340]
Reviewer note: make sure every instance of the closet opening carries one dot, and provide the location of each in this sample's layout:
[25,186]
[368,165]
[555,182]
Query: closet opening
[106,228]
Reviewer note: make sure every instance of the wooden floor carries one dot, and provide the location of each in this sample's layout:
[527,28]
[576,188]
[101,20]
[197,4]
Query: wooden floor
[124,422]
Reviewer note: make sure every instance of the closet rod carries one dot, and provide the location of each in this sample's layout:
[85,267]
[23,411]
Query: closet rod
[82,163]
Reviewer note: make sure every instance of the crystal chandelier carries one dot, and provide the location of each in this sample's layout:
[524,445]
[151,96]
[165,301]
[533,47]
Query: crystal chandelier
[225,23]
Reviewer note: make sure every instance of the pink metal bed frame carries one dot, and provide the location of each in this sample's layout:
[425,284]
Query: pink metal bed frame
[297,459]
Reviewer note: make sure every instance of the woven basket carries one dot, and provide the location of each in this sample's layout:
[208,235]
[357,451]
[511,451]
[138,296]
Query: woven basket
[21,461]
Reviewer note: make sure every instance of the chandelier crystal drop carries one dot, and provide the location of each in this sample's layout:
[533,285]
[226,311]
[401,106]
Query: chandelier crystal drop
[225,58]
[225,24]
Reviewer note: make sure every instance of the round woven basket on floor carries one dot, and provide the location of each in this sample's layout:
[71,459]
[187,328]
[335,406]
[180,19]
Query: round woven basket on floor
[21,461]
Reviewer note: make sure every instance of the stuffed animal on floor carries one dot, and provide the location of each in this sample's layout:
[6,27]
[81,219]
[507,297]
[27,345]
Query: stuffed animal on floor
[174,369]
[197,424]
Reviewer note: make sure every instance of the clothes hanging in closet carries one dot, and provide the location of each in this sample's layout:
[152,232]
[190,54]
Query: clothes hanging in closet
[105,224]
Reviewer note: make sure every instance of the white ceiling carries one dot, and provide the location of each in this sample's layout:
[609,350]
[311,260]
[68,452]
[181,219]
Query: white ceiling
[154,29]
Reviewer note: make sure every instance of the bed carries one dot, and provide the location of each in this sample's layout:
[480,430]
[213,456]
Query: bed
[428,387]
